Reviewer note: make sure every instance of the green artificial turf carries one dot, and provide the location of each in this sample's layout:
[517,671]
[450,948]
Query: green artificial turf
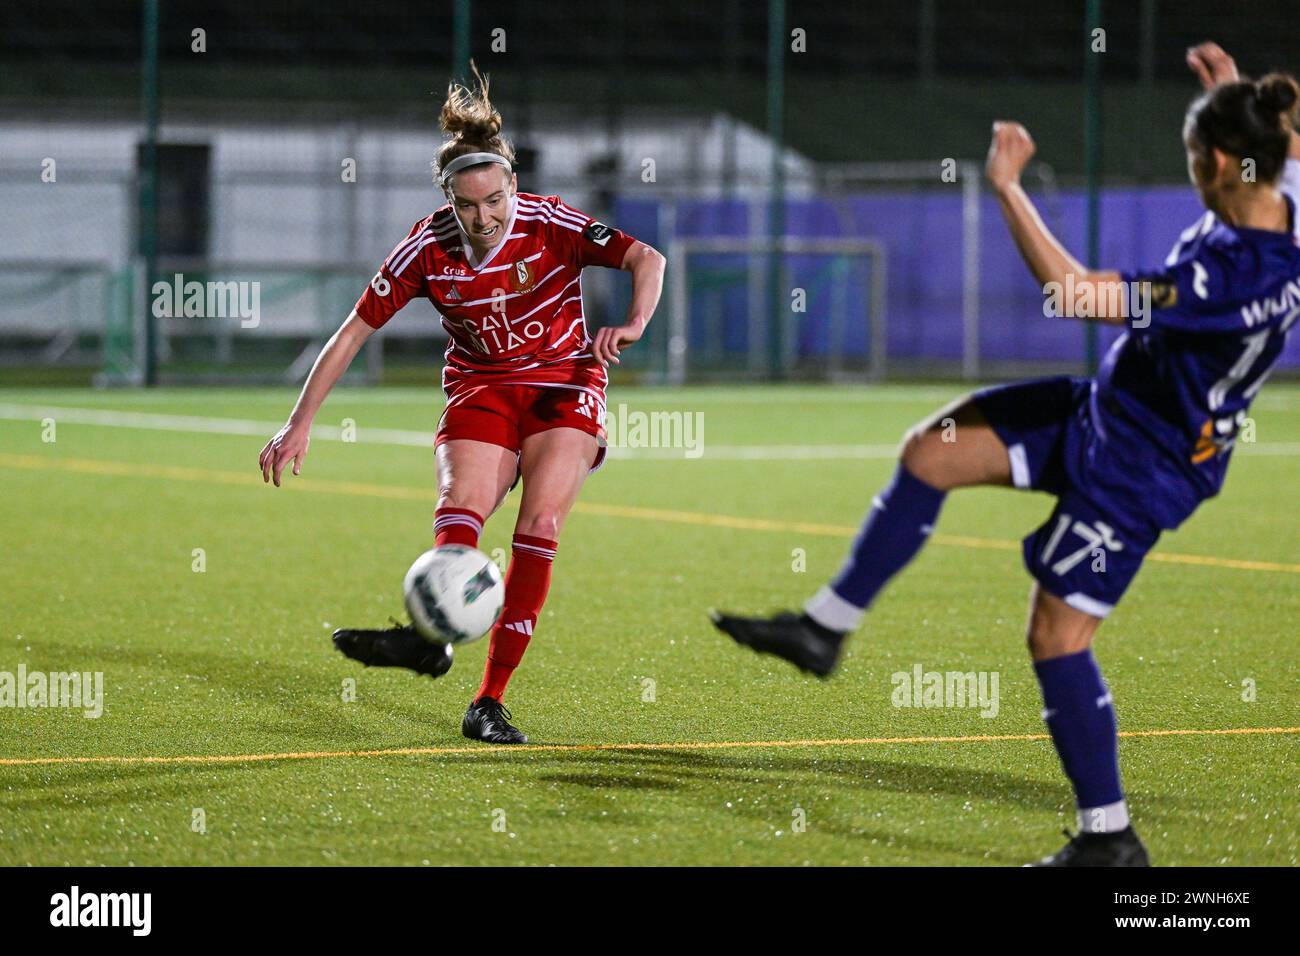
[97,550]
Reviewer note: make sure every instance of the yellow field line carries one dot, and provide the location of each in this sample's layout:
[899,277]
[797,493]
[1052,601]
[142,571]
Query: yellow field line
[580,748]
[328,486]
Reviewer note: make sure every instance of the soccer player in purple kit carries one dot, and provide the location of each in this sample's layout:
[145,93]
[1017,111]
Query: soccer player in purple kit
[1127,454]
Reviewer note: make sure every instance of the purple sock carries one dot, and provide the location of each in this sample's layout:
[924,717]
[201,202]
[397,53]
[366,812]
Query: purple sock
[902,517]
[1078,711]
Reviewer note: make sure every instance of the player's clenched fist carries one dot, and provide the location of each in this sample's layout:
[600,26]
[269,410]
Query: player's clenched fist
[1212,65]
[1009,153]
[288,445]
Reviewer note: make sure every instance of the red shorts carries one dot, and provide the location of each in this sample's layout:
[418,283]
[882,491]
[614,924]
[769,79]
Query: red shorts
[507,414]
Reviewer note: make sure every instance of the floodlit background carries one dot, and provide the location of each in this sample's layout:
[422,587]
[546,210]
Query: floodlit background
[294,140]
[813,172]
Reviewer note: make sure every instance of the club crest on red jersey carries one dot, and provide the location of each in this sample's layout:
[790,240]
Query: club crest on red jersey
[522,276]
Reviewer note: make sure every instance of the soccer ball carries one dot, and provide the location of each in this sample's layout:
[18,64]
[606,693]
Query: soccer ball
[454,594]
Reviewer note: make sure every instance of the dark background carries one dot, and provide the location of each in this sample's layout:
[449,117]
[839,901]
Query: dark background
[885,80]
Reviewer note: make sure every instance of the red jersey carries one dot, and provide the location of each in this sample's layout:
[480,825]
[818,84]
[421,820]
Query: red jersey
[514,318]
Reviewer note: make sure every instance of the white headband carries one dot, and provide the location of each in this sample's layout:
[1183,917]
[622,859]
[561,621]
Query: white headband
[470,159]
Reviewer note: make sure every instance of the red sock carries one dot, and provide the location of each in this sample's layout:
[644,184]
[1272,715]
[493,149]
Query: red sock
[527,581]
[456,526]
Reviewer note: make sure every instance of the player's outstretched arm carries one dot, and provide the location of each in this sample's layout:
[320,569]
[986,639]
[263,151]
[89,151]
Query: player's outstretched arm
[290,442]
[647,267]
[1049,261]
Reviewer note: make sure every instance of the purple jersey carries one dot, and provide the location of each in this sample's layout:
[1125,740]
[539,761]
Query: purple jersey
[1180,380]
[1132,452]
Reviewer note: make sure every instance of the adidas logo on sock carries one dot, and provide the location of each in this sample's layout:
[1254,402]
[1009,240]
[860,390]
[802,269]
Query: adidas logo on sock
[523,627]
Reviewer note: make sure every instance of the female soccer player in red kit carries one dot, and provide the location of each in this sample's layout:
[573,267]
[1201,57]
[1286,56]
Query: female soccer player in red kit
[525,382]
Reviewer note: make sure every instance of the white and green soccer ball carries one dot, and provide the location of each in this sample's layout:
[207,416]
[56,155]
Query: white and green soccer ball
[454,594]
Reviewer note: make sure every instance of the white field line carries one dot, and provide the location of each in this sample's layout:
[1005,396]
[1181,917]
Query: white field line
[199,424]
[643,396]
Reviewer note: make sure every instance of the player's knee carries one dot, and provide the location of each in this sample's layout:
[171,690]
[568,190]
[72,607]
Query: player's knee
[449,497]
[1047,636]
[909,448]
[917,456]
[1039,641]
[452,495]
[544,524]
[1043,646]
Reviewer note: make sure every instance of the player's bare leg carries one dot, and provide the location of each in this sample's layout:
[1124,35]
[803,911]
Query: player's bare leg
[473,479]
[1055,629]
[474,475]
[954,448]
[1079,712]
[555,464]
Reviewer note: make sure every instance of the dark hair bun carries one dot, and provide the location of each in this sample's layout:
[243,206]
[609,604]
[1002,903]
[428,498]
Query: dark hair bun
[473,122]
[468,114]
[470,121]
[1277,92]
